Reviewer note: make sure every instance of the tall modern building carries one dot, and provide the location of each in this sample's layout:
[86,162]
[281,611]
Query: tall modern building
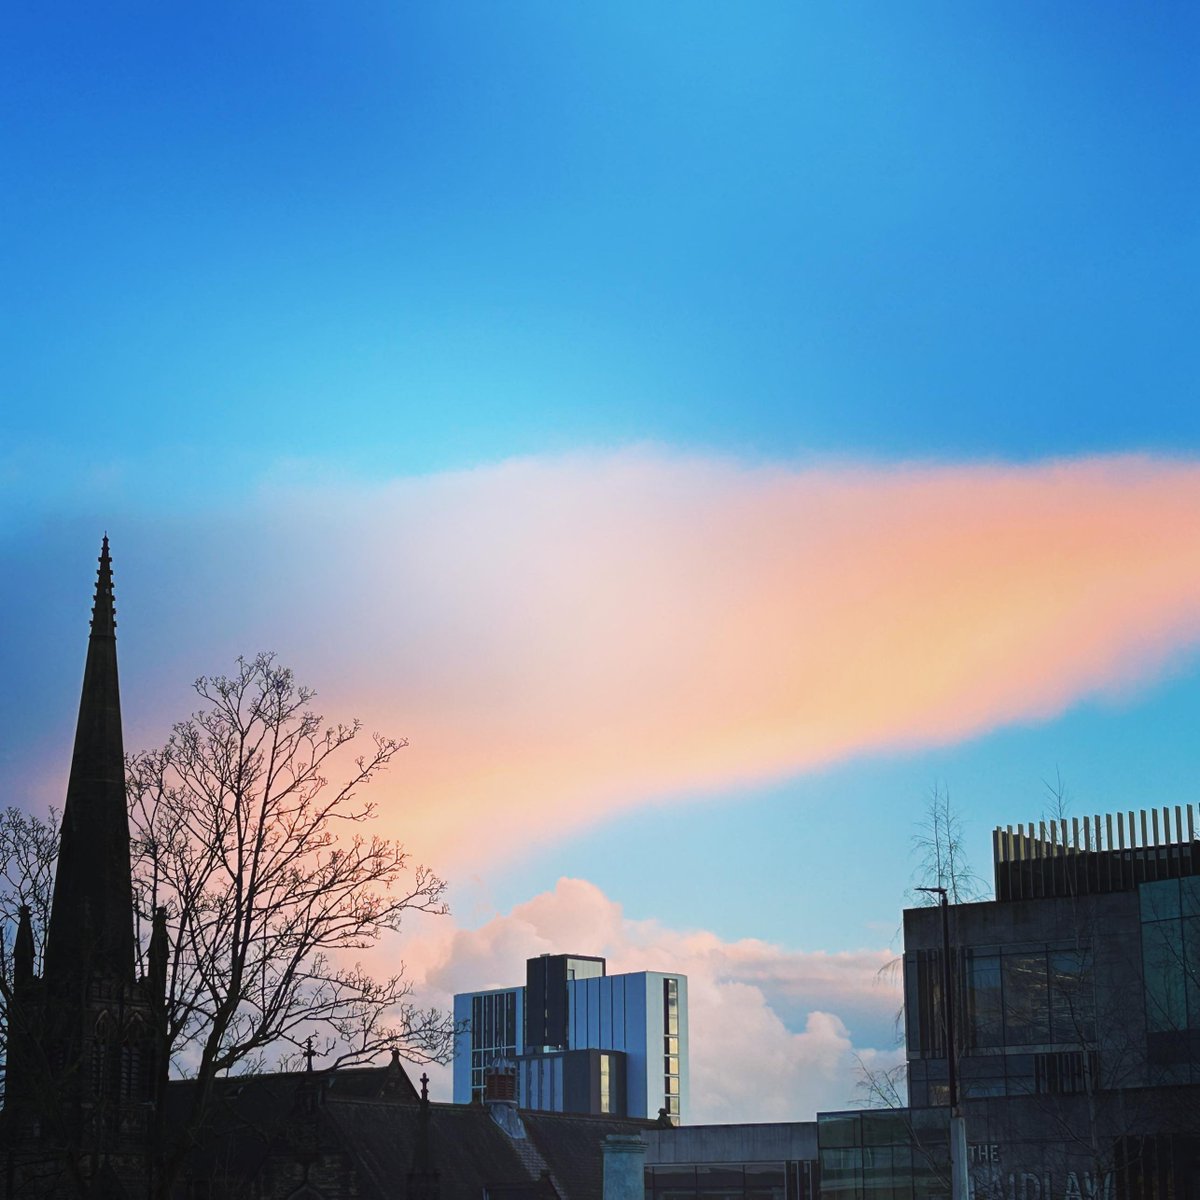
[579,1039]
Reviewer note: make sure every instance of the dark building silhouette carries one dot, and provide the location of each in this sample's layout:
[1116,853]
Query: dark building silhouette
[83,1072]
[88,1109]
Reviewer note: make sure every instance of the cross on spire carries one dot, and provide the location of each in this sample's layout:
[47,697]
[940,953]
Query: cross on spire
[309,1054]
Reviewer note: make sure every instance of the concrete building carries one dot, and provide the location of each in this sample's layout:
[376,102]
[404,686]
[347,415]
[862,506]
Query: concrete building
[1075,1019]
[580,1040]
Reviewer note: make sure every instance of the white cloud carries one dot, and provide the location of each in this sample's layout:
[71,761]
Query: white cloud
[772,1037]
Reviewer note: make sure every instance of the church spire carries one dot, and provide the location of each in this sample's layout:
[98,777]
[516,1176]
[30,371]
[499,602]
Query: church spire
[104,612]
[91,918]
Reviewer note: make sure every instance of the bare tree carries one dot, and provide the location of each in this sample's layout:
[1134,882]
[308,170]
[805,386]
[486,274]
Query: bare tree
[939,845]
[268,886]
[880,1087]
[28,851]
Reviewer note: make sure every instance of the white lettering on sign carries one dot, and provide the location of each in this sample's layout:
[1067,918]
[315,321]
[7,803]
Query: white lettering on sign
[988,1183]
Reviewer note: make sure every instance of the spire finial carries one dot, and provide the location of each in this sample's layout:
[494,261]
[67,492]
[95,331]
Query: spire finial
[104,623]
[309,1054]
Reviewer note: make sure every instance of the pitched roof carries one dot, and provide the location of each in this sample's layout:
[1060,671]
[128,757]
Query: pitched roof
[363,1115]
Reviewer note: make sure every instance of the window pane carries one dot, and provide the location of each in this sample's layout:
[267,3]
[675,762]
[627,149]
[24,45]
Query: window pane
[764,1182]
[1191,969]
[674,1183]
[985,1011]
[719,1177]
[842,1129]
[883,1128]
[1159,901]
[1026,999]
[841,1173]
[1162,966]
[1190,896]
[1072,998]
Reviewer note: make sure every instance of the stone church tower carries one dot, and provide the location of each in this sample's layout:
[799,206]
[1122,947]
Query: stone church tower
[84,1069]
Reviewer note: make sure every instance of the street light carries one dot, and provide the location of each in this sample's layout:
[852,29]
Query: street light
[958,1133]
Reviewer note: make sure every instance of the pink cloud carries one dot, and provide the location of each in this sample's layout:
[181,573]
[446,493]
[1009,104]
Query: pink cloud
[753,1058]
[564,639]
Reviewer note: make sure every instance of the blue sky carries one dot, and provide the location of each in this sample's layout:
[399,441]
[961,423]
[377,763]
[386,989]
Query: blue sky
[396,238]
[264,258]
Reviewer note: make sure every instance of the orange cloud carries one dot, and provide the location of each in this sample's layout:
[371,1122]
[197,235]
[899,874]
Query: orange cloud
[565,639]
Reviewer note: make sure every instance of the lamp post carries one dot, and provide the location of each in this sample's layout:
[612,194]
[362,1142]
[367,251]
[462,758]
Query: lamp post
[959,1188]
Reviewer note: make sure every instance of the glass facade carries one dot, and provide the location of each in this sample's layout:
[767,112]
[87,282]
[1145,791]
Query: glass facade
[1170,917]
[671,1048]
[731,1181]
[1026,1018]
[493,1033]
[640,1019]
[901,1154]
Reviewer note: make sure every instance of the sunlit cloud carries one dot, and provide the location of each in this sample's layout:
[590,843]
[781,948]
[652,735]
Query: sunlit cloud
[566,639]
[775,1034]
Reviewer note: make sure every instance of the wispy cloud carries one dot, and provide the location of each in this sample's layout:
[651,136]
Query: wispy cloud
[564,639]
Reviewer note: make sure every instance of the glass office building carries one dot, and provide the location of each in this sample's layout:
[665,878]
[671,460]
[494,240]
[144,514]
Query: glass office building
[633,1028]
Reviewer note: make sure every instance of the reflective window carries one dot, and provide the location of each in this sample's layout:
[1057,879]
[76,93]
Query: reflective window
[1072,996]
[1026,999]
[764,1182]
[731,1181]
[1162,966]
[1171,977]
[1159,901]
[719,1183]
[493,1033]
[838,1129]
[985,1009]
